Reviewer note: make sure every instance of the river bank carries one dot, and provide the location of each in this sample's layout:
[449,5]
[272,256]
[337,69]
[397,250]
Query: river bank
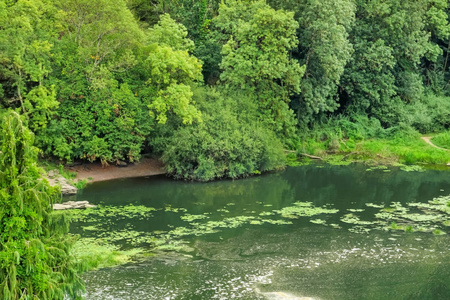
[94,172]
[418,151]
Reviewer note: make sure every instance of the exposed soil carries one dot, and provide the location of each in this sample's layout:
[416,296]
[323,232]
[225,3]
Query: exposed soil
[97,172]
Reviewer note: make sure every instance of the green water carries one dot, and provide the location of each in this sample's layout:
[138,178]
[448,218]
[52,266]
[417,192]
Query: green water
[325,232]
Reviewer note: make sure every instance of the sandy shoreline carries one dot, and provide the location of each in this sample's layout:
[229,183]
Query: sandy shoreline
[94,172]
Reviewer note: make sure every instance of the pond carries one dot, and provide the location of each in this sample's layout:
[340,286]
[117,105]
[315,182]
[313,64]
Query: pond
[309,232]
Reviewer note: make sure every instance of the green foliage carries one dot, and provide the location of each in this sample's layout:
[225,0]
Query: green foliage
[92,129]
[34,248]
[105,33]
[228,143]
[390,39]
[27,34]
[256,57]
[172,72]
[364,139]
[110,79]
[167,32]
[95,82]
[325,49]
[442,140]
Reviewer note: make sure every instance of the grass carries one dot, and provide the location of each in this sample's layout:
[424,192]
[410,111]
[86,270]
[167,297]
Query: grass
[442,140]
[70,176]
[408,150]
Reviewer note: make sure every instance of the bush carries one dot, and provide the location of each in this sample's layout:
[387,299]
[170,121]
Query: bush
[225,144]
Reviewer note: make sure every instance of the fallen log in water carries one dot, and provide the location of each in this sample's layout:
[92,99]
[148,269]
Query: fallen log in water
[310,156]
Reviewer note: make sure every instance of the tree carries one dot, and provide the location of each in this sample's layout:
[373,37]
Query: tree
[391,39]
[256,57]
[171,71]
[325,50]
[27,34]
[34,245]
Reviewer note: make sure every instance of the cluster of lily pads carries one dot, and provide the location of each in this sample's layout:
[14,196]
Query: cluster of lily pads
[423,217]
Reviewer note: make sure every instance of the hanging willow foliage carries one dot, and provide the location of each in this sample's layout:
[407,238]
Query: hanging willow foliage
[34,245]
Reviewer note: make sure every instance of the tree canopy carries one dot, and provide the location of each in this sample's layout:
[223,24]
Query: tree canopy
[97,80]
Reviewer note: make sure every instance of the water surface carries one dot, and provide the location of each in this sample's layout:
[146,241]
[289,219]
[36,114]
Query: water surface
[277,236]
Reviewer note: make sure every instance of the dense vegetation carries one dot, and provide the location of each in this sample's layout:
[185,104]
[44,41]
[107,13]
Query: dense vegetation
[222,88]
[35,262]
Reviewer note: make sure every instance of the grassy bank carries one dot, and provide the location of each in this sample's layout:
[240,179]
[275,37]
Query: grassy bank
[442,140]
[407,149]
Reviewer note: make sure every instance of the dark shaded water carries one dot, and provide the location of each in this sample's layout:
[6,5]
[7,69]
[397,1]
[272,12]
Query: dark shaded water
[261,259]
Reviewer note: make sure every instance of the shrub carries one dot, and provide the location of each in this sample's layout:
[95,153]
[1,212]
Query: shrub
[225,144]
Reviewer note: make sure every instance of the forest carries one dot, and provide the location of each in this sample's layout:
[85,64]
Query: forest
[225,88]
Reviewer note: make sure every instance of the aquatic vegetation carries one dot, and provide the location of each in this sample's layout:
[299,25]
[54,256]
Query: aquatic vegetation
[277,222]
[359,229]
[385,168]
[101,222]
[94,253]
[190,218]
[355,209]
[422,217]
[266,213]
[409,229]
[318,221]
[426,217]
[175,209]
[89,228]
[256,222]
[335,226]
[353,219]
[337,160]
[412,168]
[374,205]
[117,212]
[303,209]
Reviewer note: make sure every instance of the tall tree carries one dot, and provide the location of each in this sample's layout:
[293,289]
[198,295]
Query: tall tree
[256,57]
[391,38]
[27,33]
[171,71]
[34,246]
[325,49]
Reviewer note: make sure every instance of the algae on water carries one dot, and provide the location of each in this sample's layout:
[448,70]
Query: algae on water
[303,209]
[102,222]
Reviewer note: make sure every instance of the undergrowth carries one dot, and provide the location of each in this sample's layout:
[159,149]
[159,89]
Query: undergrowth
[442,140]
[343,139]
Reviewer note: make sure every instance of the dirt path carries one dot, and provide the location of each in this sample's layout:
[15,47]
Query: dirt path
[427,139]
[146,167]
